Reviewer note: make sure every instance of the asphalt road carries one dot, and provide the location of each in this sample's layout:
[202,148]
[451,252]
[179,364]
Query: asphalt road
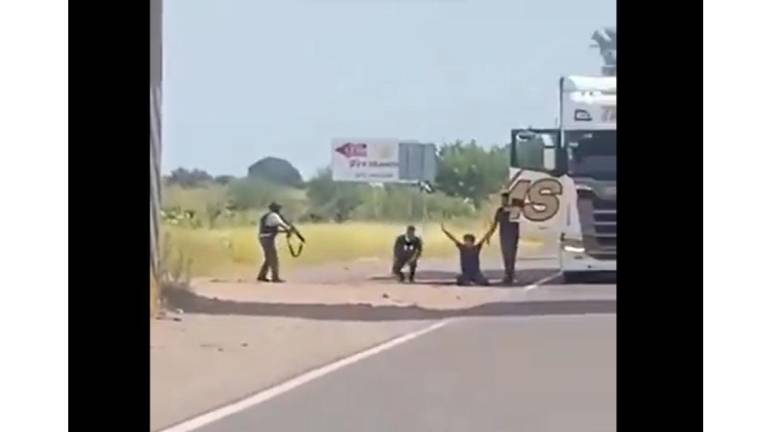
[527,374]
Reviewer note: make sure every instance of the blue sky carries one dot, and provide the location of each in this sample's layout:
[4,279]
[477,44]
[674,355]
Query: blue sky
[245,79]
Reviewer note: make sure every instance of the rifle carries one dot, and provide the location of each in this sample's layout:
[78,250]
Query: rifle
[294,231]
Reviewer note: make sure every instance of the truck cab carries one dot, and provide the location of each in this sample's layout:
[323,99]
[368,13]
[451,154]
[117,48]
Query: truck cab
[566,176]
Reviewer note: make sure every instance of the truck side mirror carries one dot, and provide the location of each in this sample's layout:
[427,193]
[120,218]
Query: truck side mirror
[534,151]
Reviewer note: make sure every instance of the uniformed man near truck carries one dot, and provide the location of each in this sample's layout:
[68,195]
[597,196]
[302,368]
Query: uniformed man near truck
[509,236]
[408,248]
[270,225]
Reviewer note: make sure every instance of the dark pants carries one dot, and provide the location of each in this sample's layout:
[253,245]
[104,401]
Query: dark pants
[271,262]
[397,267]
[476,278]
[509,237]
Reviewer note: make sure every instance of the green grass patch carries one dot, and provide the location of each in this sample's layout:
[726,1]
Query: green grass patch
[235,251]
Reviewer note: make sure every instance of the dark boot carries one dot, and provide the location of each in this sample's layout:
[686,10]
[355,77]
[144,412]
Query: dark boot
[263,272]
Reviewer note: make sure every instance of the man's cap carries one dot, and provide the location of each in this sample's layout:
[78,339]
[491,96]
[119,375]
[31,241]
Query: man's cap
[275,206]
[411,228]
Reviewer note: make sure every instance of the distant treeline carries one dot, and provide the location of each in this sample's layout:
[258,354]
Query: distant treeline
[468,175]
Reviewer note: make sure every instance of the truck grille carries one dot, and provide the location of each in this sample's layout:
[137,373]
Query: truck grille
[598,221]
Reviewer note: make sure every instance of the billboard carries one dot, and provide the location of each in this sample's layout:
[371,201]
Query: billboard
[418,162]
[382,160]
[374,160]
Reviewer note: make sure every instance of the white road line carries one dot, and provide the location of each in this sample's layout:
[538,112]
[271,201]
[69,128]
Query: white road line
[267,394]
[541,281]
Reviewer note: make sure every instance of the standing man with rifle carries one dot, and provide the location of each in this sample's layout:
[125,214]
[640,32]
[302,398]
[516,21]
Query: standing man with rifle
[270,225]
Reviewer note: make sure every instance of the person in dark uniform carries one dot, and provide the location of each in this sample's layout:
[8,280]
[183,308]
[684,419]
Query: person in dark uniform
[270,225]
[408,248]
[469,256]
[509,236]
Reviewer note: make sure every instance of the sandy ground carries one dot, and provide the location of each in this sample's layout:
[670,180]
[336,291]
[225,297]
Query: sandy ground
[433,289]
[368,281]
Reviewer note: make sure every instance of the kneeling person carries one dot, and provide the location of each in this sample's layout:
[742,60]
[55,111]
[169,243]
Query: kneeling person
[469,256]
[408,249]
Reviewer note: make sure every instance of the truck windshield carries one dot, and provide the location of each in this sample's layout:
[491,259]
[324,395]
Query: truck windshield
[592,154]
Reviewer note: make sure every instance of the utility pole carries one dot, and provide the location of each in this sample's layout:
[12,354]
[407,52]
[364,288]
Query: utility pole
[155,133]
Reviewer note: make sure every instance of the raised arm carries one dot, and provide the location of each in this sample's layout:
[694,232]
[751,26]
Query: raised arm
[487,237]
[283,226]
[449,235]
[276,219]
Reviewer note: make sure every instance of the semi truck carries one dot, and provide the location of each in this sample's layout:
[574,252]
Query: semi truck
[566,176]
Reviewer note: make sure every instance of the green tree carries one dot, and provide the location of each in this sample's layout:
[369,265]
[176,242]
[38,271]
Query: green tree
[188,178]
[277,171]
[404,203]
[250,193]
[469,171]
[334,200]
[224,179]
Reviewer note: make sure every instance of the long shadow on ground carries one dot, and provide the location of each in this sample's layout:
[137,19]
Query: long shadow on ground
[443,277]
[523,277]
[193,303]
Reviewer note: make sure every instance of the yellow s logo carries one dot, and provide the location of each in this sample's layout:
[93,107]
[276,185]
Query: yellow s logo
[543,199]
